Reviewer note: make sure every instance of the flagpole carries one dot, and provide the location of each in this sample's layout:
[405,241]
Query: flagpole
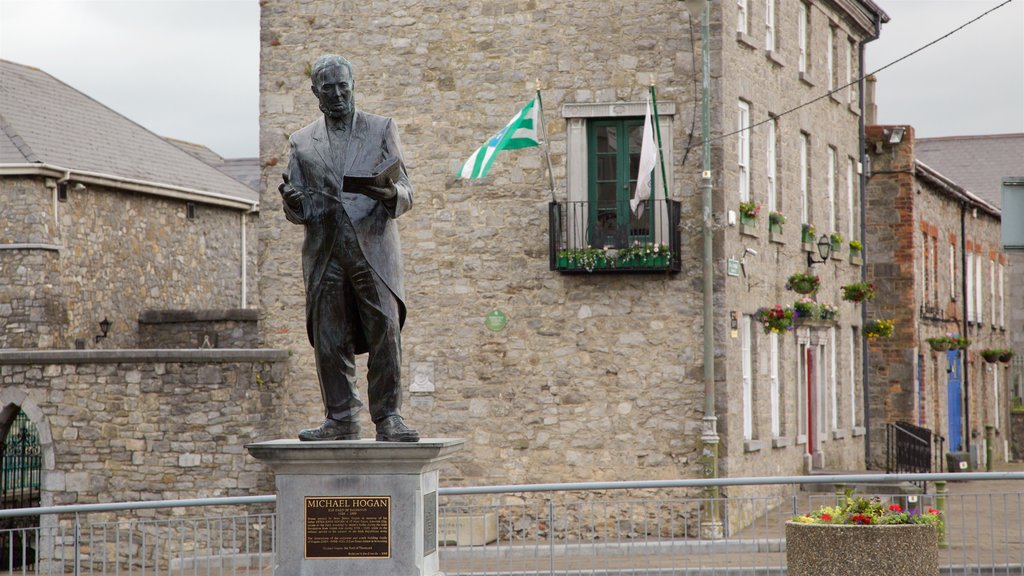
[657,130]
[547,145]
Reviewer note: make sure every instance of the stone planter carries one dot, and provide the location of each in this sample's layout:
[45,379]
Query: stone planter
[841,550]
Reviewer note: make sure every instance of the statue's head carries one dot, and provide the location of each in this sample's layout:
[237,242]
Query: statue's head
[334,85]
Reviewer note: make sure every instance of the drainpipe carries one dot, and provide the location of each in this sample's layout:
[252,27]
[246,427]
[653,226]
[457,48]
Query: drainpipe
[966,435]
[863,226]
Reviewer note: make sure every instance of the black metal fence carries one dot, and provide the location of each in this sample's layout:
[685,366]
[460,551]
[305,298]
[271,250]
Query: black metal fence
[912,449]
[588,237]
[20,475]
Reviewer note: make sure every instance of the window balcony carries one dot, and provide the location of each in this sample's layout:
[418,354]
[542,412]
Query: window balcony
[589,237]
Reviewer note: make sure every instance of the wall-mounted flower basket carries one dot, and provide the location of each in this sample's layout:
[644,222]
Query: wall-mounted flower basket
[1006,356]
[749,212]
[803,283]
[775,222]
[837,242]
[807,232]
[961,343]
[941,343]
[858,292]
[856,248]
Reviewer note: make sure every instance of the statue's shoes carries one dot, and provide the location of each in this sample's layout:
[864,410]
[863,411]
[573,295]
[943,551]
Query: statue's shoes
[393,429]
[331,430]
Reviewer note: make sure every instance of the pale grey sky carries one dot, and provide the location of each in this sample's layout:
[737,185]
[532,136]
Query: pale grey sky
[189,69]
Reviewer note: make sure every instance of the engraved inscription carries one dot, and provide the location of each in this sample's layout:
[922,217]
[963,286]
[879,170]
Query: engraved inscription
[429,523]
[348,527]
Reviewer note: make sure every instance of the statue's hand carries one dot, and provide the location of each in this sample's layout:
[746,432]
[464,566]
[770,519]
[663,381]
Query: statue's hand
[291,196]
[382,193]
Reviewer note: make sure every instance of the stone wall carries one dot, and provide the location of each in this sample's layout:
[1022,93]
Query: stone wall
[237,328]
[595,377]
[107,253]
[123,425]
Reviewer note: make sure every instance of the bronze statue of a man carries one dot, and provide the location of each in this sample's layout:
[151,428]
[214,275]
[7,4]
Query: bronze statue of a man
[351,257]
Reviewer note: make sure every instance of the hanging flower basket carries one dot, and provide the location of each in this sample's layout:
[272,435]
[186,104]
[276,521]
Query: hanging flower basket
[803,283]
[879,329]
[961,343]
[941,343]
[1006,356]
[858,292]
[775,319]
[991,355]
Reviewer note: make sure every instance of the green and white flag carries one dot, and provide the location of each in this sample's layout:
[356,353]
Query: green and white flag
[520,132]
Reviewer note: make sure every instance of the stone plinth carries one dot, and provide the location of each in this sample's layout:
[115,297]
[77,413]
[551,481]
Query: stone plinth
[359,507]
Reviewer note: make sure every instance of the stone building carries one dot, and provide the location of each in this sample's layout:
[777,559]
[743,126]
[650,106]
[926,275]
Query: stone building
[597,375]
[120,256]
[936,246]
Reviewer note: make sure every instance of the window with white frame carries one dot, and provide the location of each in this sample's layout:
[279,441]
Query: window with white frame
[924,274]
[743,149]
[803,34]
[769,25]
[851,353]
[770,164]
[851,191]
[979,292]
[952,271]
[747,361]
[833,376]
[805,177]
[1002,297]
[830,58]
[832,189]
[803,349]
[773,383]
[995,393]
[741,16]
[970,287]
[992,288]
[851,49]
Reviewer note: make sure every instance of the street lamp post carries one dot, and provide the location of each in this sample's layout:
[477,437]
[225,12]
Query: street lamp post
[709,433]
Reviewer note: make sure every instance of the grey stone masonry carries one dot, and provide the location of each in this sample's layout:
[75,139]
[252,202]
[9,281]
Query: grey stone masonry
[236,328]
[130,425]
[594,376]
[111,253]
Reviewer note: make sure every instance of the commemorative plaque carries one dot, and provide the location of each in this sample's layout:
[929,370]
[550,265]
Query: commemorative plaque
[348,527]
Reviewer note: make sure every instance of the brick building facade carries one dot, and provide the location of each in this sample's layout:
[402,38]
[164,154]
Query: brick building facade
[936,247]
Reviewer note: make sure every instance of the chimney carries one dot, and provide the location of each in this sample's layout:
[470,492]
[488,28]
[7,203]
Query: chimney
[870,107]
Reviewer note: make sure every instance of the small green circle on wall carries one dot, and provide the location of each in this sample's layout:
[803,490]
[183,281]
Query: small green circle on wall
[495,320]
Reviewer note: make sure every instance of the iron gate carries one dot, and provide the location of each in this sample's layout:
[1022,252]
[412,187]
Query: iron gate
[20,474]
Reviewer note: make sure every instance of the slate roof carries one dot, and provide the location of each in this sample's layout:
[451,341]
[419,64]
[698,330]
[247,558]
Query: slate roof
[245,170]
[977,163]
[43,120]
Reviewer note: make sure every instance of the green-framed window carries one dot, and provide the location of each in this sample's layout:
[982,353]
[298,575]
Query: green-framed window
[613,150]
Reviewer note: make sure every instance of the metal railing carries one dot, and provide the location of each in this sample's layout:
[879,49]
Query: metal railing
[913,449]
[614,528]
[587,236]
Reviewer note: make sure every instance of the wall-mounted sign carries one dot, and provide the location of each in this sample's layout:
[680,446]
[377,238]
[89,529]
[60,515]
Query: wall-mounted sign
[495,320]
[733,267]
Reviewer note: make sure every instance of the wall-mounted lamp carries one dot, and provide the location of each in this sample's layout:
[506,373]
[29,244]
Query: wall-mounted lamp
[824,250]
[104,328]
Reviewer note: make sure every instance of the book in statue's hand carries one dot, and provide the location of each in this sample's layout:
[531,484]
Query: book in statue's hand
[382,176]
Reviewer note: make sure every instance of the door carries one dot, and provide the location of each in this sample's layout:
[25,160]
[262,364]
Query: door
[614,150]
[954,401]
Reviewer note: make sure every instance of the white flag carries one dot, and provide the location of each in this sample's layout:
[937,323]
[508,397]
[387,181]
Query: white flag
[648,160]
